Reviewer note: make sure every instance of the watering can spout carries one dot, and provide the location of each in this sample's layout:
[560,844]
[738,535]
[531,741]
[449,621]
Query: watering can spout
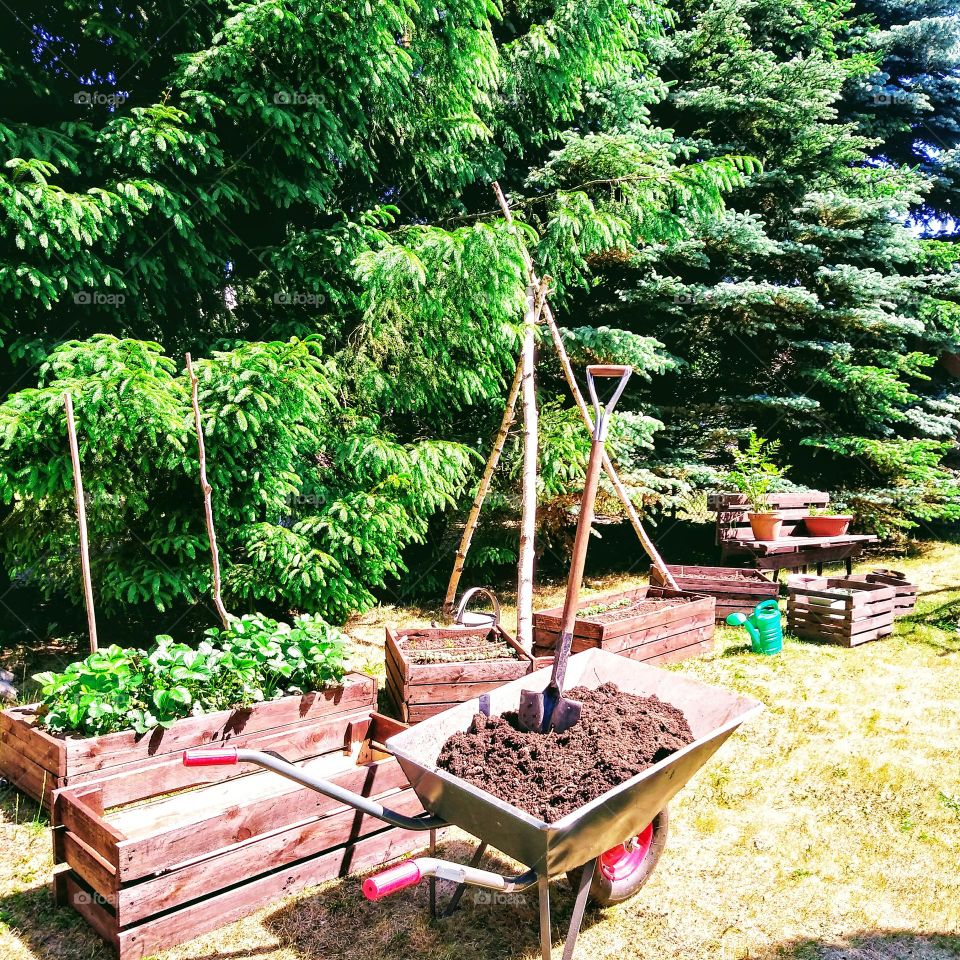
[763,625]
[741,620]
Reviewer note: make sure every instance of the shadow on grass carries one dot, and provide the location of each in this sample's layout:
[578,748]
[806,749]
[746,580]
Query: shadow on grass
[938,627]
[868,945]
[338,922]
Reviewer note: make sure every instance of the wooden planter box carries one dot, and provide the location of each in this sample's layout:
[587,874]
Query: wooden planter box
[906,598]
[38,762]
[816,614]
[151,875]
[736,589]
[672,633]
[420,690]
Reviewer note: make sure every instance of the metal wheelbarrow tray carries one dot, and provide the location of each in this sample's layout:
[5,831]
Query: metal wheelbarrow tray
[624,811]
[581,838]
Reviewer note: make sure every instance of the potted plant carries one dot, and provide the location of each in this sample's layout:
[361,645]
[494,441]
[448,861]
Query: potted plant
[827,522]
[754,474]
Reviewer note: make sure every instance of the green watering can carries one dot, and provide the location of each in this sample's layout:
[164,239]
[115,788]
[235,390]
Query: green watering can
[763,625]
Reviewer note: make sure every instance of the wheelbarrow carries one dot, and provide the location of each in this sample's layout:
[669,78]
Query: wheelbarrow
[608,846]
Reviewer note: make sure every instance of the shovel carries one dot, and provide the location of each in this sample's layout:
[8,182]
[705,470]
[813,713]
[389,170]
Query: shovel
[550,709]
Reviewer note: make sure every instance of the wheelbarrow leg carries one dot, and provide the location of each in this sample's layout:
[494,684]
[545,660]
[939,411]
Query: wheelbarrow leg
[432,882]
[579,906]
[461,887]
[546,935]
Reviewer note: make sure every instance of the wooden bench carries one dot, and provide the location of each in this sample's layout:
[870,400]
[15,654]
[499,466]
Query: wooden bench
[794,550]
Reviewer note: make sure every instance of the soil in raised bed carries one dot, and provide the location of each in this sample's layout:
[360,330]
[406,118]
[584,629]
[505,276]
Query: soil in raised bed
[624,610]
[423,648]
[719,575]
[551,774]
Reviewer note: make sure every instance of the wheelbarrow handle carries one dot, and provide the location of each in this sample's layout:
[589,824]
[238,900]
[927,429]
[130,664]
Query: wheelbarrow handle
[601,415]
[210,757]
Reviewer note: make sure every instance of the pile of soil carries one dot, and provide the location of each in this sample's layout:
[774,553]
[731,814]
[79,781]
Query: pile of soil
[551,774]
[635,608]
[471,647]
[719,575]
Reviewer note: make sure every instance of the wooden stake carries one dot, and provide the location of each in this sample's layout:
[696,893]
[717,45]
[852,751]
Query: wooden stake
[82,521]
[528,507]
[608,467]
[473,517]
[207,497]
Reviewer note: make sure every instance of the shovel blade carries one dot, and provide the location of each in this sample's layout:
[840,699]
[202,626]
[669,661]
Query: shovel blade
[542,711]
[566,713]
[533,710]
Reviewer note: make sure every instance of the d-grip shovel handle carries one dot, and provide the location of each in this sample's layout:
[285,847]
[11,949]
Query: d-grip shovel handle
[601,415]
[585,521]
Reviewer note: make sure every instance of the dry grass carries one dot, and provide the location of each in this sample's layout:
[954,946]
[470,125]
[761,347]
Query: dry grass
[829,828]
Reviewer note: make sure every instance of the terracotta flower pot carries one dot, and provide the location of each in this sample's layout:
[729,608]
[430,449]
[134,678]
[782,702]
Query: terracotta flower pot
[827,526]
[766,526]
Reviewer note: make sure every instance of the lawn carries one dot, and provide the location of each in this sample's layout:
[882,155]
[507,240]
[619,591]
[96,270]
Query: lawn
[829,828]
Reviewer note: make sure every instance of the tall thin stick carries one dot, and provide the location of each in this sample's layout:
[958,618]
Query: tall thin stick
[207,497]
[82,520]
[608,466]
[528,505]
[473,518]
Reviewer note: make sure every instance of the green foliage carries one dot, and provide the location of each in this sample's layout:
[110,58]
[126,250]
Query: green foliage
[313,502]
[254,659]
[756,472]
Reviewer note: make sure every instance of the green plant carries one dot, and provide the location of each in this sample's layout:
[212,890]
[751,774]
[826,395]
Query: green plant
[756,472]
[253,659]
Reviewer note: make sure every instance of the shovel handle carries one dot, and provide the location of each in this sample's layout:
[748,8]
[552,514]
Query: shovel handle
[601,415]
[585,521]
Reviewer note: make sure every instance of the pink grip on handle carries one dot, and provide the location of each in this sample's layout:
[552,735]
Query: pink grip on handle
[215,757]
[406,874]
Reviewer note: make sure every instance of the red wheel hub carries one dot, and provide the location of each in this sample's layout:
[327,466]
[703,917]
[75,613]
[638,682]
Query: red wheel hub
[626,858]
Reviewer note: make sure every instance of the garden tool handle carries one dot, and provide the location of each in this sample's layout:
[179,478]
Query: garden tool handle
[601,415]
[585,521]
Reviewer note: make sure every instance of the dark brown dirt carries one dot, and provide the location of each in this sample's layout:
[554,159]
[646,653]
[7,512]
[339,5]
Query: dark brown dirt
[634,609]
[551,774]
[720,575]
[428,648]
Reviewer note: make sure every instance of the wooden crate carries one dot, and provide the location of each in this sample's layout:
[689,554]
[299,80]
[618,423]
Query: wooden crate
[815,613]
[421,690]
[151,875]
[736,589]
[656,636]
[906,598]
[38,762]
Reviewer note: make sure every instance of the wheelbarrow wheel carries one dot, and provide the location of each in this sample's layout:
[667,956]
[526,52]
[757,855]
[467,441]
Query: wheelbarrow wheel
[625,868]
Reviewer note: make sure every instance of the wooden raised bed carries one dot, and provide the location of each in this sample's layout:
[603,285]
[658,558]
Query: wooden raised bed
[816,613]
[675,632]
[421,690]
[38,762]
[154,874]
[736,589]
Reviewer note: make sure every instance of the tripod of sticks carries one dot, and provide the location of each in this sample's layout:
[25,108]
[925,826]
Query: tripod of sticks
[537,311]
